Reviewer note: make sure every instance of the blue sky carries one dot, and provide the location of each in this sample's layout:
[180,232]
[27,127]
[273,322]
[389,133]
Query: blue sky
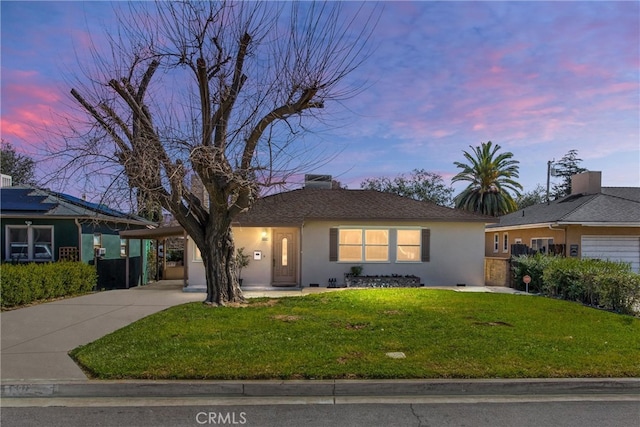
[537,78]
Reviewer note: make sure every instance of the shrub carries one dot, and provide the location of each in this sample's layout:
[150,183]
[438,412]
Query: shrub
[532,266]
[606,284]
[27,283]
[562,277]
[619,291]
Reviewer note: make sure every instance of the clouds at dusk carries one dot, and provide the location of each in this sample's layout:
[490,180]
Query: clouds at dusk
[537,78]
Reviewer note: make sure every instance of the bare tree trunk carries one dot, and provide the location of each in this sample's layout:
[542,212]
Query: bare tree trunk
[219,261]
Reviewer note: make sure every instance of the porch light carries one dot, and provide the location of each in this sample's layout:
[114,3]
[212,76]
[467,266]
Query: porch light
[265,235]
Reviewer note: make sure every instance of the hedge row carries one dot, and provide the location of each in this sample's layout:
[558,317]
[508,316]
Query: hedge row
[609,285]
[27,283]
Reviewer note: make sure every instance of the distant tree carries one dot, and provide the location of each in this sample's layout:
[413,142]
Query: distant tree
[565,168]
[491,175]
[534,197]
[21,168]
[419,185]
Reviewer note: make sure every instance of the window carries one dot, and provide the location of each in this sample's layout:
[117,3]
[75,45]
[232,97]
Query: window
[505,242]
[30,243]
[197,255]
[284,256]
[408,247]
[496,242]
[376,245]
[350,245]
[541,245]
[97,240]
[356,244]
[123,247]
[372,245]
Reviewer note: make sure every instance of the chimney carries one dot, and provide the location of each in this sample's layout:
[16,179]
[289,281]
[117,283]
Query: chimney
[589,182]
[317,181]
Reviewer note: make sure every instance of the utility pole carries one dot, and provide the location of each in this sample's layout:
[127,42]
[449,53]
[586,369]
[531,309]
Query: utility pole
[549,173]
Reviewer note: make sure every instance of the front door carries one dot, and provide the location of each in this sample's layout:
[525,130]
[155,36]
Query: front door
[285,257]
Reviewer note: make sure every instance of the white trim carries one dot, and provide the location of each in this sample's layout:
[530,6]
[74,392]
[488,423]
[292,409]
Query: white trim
[602,224]
[30,243]
[561,223]
[519,227]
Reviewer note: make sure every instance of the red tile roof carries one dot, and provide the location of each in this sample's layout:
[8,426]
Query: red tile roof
[297,206]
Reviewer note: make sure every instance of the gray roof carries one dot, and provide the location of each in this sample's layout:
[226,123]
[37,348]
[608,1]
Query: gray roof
[297,206]
[24,201]
[613,205]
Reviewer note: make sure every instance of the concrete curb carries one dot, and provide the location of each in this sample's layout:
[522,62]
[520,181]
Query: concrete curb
[149,389]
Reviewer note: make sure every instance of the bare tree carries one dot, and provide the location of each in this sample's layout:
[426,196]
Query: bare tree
[219,91]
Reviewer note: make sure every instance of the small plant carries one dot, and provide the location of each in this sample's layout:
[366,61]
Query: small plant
[242,261]
[356,270]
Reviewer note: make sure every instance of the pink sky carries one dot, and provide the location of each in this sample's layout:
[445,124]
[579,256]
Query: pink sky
[537,78]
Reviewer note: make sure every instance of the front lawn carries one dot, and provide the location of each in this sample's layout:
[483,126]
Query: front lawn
[347,334]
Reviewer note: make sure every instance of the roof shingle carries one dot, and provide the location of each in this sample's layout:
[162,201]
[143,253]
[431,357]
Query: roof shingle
[297,206]
[612,205]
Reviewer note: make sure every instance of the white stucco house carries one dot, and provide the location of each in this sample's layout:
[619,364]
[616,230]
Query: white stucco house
[313,236]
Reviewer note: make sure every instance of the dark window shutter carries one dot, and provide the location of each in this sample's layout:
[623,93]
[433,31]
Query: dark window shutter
[426,244]
[333,244]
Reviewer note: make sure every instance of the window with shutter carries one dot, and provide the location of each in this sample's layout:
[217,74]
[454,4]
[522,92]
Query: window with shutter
[426,245]
[333,244]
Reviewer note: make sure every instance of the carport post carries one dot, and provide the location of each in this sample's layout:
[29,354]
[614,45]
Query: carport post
[126,267]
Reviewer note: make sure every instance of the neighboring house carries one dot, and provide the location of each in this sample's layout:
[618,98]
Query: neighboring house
[311,236]
[40,225]
[592,222]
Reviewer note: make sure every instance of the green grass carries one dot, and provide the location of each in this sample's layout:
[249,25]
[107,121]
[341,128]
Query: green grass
[347,334]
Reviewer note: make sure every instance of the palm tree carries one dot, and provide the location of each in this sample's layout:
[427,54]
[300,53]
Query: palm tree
[490,177]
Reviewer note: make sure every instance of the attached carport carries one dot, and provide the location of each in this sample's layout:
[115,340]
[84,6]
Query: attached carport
[159,234]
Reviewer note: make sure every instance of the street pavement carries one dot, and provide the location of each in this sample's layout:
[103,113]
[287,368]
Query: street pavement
[36,340]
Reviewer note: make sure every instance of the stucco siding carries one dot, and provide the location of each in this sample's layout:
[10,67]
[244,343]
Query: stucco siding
[456,254]
[523,235]
[258,272]
[568,235]
[455,248]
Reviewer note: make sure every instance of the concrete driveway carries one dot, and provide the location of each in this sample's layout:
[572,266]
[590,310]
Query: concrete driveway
[35,340]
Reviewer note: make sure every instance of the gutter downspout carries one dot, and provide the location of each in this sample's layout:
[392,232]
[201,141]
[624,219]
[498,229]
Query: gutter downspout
[79,238]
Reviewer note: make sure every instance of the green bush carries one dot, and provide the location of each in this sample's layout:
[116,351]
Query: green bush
[27,283]
[619,291]
[562,277]
[532,266]
[606,284]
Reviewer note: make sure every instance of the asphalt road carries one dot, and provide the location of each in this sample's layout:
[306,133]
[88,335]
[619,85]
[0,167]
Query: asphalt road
[496,411]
